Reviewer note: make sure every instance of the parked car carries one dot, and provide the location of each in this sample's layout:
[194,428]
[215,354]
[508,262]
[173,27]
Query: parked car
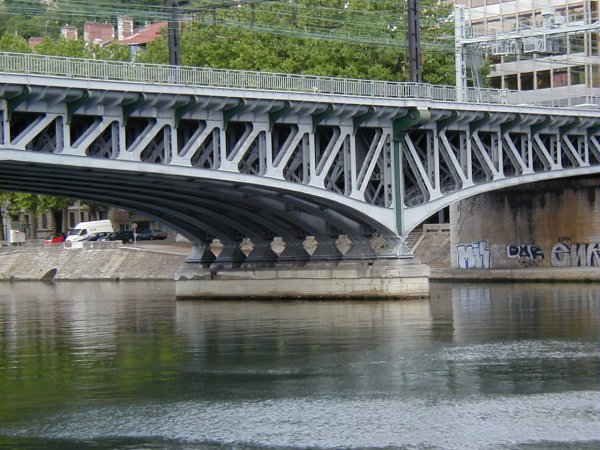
[150,235]
[96,236]
[55,238]
[123,235]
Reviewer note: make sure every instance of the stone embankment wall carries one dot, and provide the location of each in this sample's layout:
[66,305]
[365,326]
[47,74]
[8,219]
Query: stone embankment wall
[553,224]
[108,262]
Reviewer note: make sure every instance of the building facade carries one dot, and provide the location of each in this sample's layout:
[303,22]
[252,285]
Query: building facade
[546,47]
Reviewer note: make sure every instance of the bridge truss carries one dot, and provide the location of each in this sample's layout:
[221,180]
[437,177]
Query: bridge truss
[263,175]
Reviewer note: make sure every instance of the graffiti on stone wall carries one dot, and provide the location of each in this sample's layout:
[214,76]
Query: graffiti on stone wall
[575,255]
[475,255]
[527,254]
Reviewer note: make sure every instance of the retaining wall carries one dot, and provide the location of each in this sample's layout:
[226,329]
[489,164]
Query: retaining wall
[108,262]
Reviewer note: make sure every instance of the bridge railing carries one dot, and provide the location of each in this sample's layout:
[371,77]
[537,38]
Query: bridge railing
[58,66]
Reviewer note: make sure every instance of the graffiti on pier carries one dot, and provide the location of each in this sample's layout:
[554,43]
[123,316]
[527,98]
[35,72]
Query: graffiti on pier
[527,254]
[475,255]
[575,255]
[524,251]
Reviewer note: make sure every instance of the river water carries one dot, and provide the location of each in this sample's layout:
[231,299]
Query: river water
[123,365]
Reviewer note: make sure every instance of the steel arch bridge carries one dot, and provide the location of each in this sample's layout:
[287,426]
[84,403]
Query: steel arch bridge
[264,167]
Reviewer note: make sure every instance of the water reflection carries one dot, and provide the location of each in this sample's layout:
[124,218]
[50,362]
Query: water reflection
[122,365]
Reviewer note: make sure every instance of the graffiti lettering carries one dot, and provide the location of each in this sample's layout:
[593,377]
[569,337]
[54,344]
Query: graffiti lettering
[475,255]
[524,251]
[575,255]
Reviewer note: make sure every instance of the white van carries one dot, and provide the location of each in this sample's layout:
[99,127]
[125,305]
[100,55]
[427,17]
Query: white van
[84,229]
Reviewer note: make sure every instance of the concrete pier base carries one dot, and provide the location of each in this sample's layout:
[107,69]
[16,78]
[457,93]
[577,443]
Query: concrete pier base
[389,279]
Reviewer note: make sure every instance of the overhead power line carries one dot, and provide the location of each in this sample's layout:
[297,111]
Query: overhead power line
[382,27]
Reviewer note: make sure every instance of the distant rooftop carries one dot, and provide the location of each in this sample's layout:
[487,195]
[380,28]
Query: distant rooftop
[145,35]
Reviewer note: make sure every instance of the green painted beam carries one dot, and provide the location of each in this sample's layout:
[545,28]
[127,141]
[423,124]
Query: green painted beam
[412,119]
[445,121]
[129,108]
[400,126]
[323,115]
[13,102]
[182,110]
[505,127]
[590,131]
[478,123]
[229,113]
[398,187]
[537,127]
[277,114]
[359,119]
[564,129]
[74,105]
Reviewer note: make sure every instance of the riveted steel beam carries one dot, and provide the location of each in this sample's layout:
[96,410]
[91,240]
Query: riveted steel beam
[359,119]
[277,114]
[180,111]
[230,113]
[540,125]
[476,124]
[505,127]
[129,108]
[74,105]
[592,130]
[13,102]
[323,115]
[564,129]
[445,121]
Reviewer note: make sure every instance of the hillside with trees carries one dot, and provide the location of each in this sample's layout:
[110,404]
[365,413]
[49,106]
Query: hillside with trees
[349,38]
[339,38]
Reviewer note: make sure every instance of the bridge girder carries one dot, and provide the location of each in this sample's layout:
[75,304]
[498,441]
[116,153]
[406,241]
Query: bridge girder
[229,164]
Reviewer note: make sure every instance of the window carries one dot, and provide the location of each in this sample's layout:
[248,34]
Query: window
[526,81]
[496,82]
[560,78]
[578,75]
[543,79]
[510,81]
[596,76]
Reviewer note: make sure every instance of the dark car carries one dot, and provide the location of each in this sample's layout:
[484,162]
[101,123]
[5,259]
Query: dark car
[150,235]
[96,236]
[55,238]
[124,235]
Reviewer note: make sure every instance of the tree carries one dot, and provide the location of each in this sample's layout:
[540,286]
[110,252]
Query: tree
[26,20]
[12,43]
[112,52]
[28,203]
[63,47]
[58,206]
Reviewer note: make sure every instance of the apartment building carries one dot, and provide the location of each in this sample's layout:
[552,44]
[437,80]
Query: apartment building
[538,45]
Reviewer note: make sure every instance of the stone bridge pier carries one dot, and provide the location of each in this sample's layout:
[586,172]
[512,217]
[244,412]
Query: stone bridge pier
[373,267]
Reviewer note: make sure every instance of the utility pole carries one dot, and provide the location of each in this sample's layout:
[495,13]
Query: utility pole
[459,52]
[173,32]
[414,42]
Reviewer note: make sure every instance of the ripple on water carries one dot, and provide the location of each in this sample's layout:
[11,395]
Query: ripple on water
[509,351]
[476,422]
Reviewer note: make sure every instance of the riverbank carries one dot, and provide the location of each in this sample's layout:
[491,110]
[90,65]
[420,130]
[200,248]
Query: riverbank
[94,261]
[162,260]
[542,274]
